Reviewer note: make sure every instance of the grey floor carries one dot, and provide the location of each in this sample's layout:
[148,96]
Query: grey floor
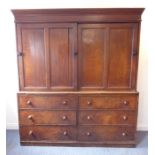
[14,148]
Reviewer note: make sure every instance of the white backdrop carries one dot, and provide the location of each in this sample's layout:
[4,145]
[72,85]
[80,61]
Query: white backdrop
[8,63]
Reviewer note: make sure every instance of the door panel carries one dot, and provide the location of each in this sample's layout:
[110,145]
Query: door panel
[92,48]
[62,61]
[47,60]
[106,59]
[33,65]
[121,44]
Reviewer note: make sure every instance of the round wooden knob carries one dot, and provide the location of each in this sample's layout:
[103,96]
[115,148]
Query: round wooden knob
[64,102]
[88,117]
[124,134]
[30,117]
[65,133]
[64,117]
[88,134]
[89,102]
[30,133]
[125,102]
[125,117]
[28,102]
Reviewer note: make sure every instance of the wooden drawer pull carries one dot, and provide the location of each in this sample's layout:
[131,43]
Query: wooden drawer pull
[88,117]
[64,102]
[88,134]
[125,117]
[64,117]
[30,117]
[65,133]
[124,134]
[31,133]
[89,103]
[29,102]
[125,102]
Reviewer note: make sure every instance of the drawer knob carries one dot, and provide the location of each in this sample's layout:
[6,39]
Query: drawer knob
[65,133]
[88,134]
[125,117]
[28,102]
[88,117]
[125,102]
[64,102]
[89,102]
[30,117]
[124,134]
[31,133]
[64,117]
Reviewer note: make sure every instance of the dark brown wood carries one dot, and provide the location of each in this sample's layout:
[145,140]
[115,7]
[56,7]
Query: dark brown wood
[47,58]
[104,61]
[32,63]
[48,133]
[78,76]
[92,42]
[98,92]
[62,41]
[106,56]
[105,133]
[128,144]
[107,117]
[33,117]
[48,102]
[121,57]
[78,15]
[123,102]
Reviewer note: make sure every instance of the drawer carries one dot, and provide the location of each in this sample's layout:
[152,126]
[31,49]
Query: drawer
[105,133]
[107,117]
[108,102]
[38,117]
[47,101]
[47,133]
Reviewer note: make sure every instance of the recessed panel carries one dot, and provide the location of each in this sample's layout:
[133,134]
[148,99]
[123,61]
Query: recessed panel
[34,68]
[61,58]
[92,56]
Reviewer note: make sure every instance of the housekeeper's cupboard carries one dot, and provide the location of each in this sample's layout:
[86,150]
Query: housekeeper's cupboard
[77,76]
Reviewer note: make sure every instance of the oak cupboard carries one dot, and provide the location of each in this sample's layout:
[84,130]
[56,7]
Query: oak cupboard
[78,75]
[47,61]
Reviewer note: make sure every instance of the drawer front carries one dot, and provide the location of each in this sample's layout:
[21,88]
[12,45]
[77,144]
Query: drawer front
[128,102]
[105,133]
[48,101]
[47,133]
[107,117]
[38,117]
